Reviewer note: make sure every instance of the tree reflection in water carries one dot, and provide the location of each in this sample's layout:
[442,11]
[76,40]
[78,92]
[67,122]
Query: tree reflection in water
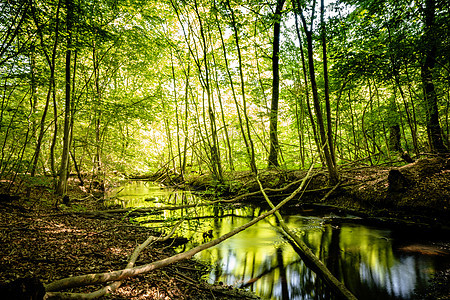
[362,257]
[365,258]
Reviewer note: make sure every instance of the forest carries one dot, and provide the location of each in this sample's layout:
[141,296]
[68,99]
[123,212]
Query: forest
[232,97]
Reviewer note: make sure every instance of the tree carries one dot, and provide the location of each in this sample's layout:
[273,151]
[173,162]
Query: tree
[64,170]
[273,115]
[51,60]
[246,134]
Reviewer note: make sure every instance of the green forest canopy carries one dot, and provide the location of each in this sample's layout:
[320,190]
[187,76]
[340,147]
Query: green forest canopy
[133,86]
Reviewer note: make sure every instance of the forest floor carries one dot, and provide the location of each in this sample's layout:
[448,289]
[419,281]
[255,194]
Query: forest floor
[41,239]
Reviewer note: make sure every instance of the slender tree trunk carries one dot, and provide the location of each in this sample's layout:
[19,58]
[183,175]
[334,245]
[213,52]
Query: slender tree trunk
[337,121]
[299,117]
[64,171]
[355,139]
[409,120]
[214,147]
[177,117]
[273,116]
[263,101]
[212,151]
[233,91]
[380,118]
[34,88]
[55,133]
[413,111]
[248,141]
[326,85]
[171,157]
[219,98]
[97,159]
[308,101]
[394,126]
[186,117]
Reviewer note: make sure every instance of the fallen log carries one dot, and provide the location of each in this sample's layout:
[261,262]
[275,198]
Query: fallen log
[403,178]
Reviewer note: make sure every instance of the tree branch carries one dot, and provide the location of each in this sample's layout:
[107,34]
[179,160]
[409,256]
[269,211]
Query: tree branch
[307,255]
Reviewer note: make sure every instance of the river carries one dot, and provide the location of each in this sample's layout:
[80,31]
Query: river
[373,262]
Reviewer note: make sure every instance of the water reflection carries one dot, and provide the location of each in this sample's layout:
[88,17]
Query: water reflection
[365,258]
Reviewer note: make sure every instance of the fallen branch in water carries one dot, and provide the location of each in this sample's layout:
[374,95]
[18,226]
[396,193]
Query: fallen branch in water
[308,256]
[91,279]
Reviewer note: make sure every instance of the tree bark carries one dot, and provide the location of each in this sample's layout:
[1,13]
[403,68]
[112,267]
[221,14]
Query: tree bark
[333,174]
[305,78]
[64,170]
[273,131]
[214,146]
[51,62]
[325,82]
[248,141]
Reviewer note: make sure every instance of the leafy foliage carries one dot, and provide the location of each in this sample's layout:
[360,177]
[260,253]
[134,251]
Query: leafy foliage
[158,86]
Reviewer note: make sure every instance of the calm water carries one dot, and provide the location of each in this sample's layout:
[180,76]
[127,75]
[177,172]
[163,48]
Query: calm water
[374,263]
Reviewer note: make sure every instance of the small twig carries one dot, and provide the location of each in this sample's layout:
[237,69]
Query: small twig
[330,192]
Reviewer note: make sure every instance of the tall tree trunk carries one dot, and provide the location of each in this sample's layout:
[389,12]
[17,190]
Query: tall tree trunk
[273,116]
[97,159]
[177,117]
[233,91]
[186,117]
[308,102]
[325,81]
[431,99]
[222,114]
[214,146]
[55,133]
[355,137]
[34,89]
[64,170]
